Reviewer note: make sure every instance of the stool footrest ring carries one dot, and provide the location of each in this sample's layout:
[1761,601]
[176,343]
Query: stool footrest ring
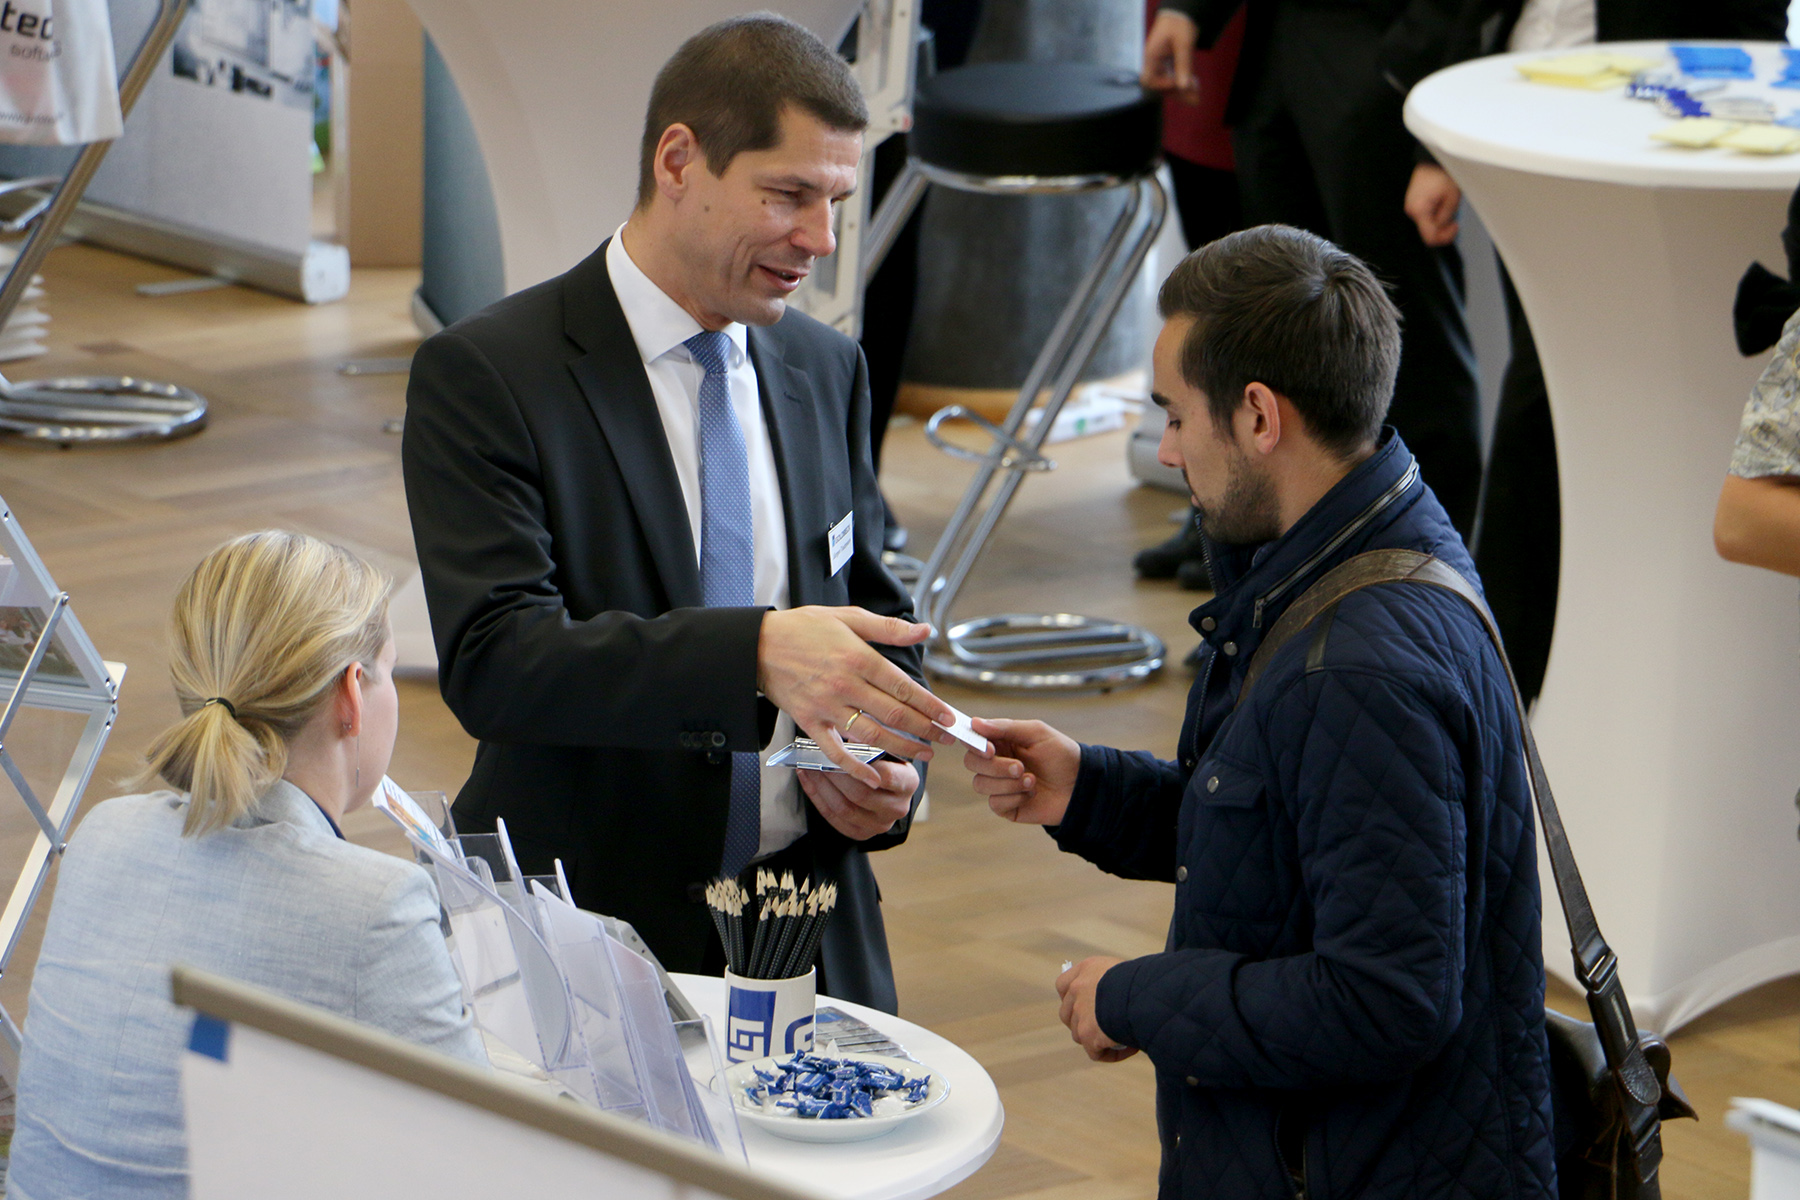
[1045,651]
[1007,450]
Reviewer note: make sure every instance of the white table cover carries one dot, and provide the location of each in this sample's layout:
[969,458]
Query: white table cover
[1670,715]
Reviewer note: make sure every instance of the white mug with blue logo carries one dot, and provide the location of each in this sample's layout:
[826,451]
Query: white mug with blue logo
[767,1018]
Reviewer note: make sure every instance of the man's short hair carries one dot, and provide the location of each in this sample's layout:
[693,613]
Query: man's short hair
[1286,308]
[729,82]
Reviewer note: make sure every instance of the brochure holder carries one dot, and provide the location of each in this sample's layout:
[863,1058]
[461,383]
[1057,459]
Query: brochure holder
[553,984]
[46,662]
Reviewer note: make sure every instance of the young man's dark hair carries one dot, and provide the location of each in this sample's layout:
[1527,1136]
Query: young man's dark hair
[729,82]
[1285,308]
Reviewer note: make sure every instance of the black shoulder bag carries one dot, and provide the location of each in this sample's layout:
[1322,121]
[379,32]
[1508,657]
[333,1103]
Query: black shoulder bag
[1610,1081]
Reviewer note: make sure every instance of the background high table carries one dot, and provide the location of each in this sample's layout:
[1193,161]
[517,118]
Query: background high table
[1670,716]
[925,1156]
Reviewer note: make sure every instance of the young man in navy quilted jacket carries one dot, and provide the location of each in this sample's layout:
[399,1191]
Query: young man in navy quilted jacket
[1352,999]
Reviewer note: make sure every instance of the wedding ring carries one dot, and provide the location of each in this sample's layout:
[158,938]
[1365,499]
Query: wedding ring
[847,724]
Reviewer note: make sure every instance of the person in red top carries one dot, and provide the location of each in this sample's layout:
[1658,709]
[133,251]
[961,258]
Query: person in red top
[1197,148]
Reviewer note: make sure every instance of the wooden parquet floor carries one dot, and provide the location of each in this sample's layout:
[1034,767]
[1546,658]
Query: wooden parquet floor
[980,913]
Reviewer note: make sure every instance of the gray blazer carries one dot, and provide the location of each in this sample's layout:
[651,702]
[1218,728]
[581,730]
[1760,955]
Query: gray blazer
[277,900]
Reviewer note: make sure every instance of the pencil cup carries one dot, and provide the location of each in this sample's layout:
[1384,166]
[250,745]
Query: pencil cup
[768,1017]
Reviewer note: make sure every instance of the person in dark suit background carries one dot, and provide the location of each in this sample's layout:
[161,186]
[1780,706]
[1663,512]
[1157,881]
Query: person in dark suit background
[1316,132]
[650,533]
[1518,537]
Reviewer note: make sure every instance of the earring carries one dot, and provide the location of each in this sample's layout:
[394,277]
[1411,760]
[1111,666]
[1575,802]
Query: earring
[358,784]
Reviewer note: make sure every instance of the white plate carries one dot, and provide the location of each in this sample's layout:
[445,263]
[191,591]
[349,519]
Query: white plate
[847,1129]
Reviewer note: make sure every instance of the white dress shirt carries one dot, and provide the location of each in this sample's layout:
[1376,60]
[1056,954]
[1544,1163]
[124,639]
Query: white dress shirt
[661,327]
[1554,25]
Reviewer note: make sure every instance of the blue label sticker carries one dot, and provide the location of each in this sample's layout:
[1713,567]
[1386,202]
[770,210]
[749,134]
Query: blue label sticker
[750,1024]
[210,1036]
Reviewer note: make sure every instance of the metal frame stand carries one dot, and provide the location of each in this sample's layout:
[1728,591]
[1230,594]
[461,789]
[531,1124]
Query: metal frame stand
[91,408]
[1029,651]
[81,684]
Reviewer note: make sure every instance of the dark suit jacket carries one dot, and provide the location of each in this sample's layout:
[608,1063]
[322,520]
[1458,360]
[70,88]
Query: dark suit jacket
[565,602]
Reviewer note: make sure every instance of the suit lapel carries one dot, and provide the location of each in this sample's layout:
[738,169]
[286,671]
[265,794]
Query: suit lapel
[612,379]
[793,431]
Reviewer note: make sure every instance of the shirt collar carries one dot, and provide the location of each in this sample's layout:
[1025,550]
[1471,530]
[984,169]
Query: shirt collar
[658,324]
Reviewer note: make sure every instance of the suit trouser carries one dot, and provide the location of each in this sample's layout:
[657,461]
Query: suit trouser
[1321,146]
[1518,542]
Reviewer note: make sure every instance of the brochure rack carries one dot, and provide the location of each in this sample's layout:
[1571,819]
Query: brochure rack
[46,662]
[554,985]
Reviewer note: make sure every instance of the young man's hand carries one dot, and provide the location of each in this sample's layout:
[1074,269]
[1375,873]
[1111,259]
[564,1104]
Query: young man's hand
[1078,986]
[1031,773]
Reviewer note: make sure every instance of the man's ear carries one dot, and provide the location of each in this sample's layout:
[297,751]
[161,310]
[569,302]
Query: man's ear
[677,152]
[1259,418]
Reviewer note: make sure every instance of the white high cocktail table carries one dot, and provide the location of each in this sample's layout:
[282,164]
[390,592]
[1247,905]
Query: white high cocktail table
[927,1155]
[1670,715]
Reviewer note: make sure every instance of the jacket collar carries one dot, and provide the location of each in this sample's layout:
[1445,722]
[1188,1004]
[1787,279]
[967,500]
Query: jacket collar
[1254,583]
[285,804]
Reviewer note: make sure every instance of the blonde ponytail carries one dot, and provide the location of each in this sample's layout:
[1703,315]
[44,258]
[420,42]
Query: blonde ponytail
[262,630]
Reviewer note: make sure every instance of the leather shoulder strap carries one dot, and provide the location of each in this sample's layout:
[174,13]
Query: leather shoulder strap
[1595,963]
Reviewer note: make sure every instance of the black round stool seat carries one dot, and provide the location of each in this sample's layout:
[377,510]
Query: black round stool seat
[1040,119]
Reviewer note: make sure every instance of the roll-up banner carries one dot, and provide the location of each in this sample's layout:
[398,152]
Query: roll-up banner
[214,171]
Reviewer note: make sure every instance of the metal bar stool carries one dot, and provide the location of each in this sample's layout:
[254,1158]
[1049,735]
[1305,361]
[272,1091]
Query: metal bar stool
[1014,129]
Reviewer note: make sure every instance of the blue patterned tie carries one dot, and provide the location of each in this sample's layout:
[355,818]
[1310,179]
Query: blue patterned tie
[727,562]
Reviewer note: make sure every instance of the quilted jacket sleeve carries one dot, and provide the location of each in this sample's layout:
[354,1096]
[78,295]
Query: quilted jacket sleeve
[1122,815]
[1375,787]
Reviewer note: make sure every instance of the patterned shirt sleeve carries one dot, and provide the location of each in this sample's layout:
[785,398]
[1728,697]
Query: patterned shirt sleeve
[1768,440]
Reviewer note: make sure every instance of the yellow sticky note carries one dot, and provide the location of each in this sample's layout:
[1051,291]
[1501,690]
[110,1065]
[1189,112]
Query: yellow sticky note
[1694,132]
[1762,139]
[1595,70]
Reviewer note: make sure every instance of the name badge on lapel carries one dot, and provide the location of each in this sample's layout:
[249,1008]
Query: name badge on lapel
[843,541]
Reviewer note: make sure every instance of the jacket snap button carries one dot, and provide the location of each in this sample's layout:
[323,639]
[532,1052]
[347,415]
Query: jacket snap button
[1180,874]
[1230,649]
[1208,624]
[1212,785]
[1193,1081]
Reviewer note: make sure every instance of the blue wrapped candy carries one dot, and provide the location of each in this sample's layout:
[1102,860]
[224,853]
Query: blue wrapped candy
[829,1089]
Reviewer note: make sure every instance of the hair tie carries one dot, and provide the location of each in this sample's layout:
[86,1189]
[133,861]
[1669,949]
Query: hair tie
[222,701]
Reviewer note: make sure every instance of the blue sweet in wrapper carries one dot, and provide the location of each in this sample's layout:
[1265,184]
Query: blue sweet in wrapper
[832,1089]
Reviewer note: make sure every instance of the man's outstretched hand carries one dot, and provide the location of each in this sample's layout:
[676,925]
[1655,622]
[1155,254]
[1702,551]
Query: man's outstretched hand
[817,666]
[1078,986]
[1031,773]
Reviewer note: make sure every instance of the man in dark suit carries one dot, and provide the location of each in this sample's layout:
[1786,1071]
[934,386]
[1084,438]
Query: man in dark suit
[1316,131]
[644,509]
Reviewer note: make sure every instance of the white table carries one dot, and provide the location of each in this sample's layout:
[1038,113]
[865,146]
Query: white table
[922,1158]
[1670,716]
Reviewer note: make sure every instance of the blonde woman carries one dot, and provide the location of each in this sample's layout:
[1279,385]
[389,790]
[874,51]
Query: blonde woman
[281,656]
